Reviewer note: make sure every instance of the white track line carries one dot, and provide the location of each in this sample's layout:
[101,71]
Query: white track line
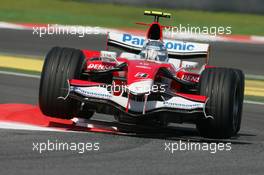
[11,125]
[254,77]
[253,102]
[23,126]
[19,74]
[38,76]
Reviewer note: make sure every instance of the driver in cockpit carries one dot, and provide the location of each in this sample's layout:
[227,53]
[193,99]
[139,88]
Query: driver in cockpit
[154,50]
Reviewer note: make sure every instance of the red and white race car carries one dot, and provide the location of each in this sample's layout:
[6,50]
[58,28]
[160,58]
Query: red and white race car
[153,79]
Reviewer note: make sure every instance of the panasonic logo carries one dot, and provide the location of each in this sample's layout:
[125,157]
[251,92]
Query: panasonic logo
[133,40]
[169,44]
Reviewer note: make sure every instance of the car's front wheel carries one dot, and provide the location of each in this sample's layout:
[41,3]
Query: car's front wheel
[60,65]
[225,91]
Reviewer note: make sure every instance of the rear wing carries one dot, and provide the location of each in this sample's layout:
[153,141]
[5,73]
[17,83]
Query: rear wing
[157,15]
[176,49]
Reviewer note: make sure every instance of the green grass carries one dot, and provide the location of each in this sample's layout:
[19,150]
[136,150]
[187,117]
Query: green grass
[118,16]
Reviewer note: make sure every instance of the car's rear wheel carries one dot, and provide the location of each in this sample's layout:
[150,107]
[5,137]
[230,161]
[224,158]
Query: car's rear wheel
[225,91]
[61,64]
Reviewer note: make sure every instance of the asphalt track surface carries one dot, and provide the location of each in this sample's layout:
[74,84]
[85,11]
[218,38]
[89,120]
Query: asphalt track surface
[137,154]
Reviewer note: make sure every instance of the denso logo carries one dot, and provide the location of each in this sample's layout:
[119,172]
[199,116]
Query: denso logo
[192,78]
[169,45]
[99,66]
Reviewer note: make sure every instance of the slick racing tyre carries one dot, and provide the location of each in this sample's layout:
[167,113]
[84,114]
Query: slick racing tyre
[61,64]
[241,77]
[225,91]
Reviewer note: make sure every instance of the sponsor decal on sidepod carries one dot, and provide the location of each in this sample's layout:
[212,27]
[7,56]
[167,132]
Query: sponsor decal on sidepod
[99,66]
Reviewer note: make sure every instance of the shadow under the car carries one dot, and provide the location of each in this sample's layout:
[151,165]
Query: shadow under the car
[175,133]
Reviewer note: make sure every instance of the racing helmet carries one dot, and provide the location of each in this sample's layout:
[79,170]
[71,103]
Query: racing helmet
[154,50]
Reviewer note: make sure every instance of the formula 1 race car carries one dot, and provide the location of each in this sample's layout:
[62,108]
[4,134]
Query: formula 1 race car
[152,79]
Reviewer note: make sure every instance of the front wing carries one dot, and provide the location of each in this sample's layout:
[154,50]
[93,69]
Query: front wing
[94,93]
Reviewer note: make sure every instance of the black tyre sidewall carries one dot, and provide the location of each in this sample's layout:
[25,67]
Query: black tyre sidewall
[220,85]
[61,64]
